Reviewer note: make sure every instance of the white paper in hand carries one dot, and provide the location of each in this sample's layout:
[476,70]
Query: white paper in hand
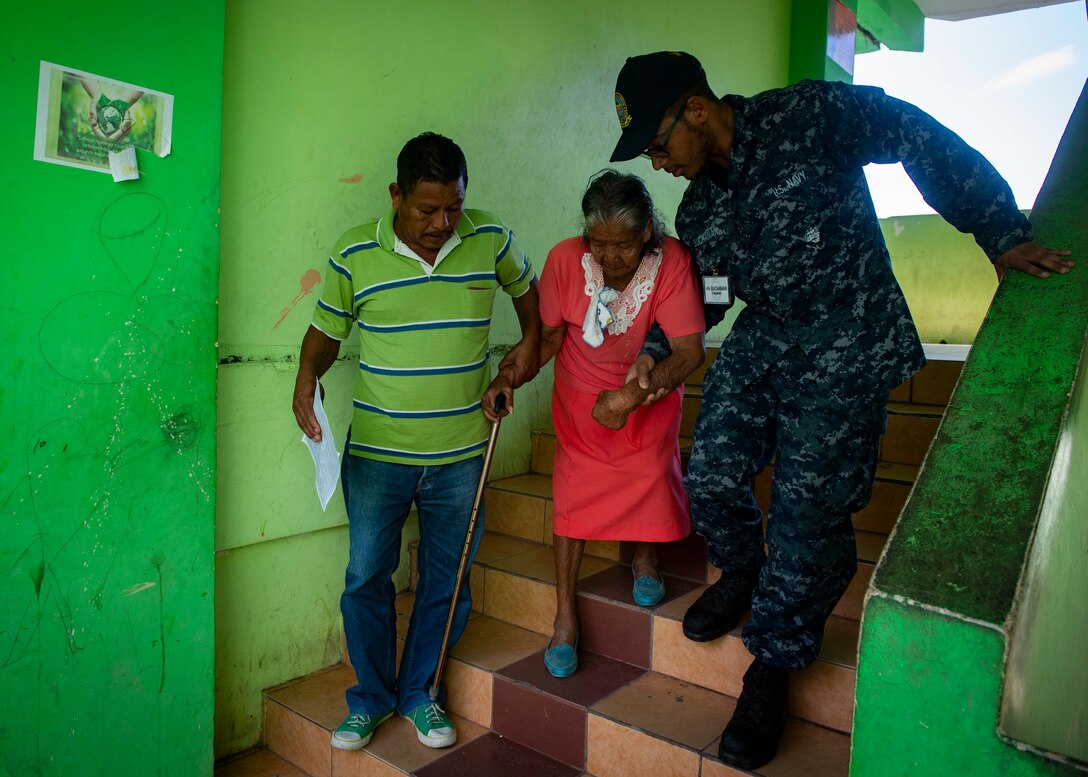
[326,456]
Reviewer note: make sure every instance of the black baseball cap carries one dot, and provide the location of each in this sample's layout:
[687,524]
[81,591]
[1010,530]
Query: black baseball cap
[646,87]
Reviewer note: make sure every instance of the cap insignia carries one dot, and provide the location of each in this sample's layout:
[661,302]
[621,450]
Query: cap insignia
[621,111]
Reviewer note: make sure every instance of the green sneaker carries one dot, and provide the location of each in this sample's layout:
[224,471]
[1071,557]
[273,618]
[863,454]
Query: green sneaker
[433,728]
[356,730]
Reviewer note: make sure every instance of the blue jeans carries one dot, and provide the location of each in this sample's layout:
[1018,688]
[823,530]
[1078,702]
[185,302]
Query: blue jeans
[379,496]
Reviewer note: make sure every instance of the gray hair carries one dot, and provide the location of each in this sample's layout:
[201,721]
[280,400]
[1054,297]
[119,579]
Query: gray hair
[613,196]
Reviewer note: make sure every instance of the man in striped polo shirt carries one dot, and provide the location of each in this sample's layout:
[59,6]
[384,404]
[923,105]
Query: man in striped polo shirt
[419,284]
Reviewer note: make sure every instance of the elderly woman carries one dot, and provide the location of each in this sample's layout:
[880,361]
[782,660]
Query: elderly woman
[617,464]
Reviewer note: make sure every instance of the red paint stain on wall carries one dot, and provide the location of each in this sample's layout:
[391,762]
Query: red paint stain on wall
[354,179]
[306,284]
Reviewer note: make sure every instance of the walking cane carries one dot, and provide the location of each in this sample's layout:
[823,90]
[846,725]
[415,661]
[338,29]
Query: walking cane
[433,692]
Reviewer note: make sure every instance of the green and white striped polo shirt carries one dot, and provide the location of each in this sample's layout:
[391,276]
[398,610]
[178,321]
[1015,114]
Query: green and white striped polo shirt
[423,353]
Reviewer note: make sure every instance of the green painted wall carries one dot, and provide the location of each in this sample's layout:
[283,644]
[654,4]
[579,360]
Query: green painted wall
[898,24]
[977,562]
[107,408]
[318,101]
[932,712]
[810,22]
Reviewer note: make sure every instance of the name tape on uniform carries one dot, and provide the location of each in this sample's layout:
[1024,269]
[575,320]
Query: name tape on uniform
[717,290]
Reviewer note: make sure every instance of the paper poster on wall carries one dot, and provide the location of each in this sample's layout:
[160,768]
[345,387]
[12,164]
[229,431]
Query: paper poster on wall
[82,117]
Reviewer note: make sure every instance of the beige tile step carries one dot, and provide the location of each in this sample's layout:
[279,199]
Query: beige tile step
[908,435]
[518,506]
[693,400]
[823,693]
[513,580]
[853,600]
[662,725]
[900,393]
[891,487]
[542,456]
[521,507]
[300,715]
[299,718]
[520,590]
[933,384]
[258,762]
[486,645]
[628,723]
[696,377]
[503,640]
[870,545]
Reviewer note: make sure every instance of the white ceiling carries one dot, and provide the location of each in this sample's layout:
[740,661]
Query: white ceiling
[956,10]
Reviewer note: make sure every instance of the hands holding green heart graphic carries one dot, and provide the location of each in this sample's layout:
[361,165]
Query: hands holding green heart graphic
[110,118]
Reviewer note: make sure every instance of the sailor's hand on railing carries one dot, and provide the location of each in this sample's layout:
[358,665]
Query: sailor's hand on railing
[1034,259]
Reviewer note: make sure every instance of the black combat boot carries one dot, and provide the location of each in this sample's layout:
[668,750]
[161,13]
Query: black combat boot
[751,737]
[717,611]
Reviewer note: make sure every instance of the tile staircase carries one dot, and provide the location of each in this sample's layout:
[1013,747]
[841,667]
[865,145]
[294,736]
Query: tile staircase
[645,700]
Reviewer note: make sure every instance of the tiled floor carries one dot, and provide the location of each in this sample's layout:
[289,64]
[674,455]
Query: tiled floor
[597,677]
[645,700]
[258,763]
[494,756]
[671,709]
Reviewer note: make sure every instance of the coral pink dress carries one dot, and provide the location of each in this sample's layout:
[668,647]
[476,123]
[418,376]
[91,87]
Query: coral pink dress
[625,484]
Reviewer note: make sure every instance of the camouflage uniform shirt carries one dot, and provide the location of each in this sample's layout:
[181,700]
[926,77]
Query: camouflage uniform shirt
[792,224]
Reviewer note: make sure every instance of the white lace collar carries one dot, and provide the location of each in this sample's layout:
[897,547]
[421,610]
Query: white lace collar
[622,308]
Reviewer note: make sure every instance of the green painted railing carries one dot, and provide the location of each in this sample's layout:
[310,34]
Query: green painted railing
[976,624]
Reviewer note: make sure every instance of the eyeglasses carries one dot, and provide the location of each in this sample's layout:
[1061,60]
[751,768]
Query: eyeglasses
[659,151]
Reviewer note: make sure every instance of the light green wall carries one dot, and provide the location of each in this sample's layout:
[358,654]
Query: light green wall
[107,408]
[276,616]
[319,98]
[947,280]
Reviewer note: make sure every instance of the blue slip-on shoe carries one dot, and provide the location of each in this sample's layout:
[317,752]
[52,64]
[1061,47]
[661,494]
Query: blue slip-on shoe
[647,590]
[562,660]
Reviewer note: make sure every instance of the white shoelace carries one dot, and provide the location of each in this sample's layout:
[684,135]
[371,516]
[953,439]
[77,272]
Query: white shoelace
[434,714]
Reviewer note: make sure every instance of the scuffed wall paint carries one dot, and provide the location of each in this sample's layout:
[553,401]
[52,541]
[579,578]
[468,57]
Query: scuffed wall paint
[107,390]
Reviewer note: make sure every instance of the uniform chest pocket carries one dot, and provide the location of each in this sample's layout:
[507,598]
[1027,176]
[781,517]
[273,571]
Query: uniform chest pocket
[795,226]
[478,297]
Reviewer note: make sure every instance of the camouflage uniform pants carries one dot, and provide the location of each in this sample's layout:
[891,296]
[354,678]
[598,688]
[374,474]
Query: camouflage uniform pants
[824,465]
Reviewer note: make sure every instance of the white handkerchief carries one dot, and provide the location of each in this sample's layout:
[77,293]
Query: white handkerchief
[325,455]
